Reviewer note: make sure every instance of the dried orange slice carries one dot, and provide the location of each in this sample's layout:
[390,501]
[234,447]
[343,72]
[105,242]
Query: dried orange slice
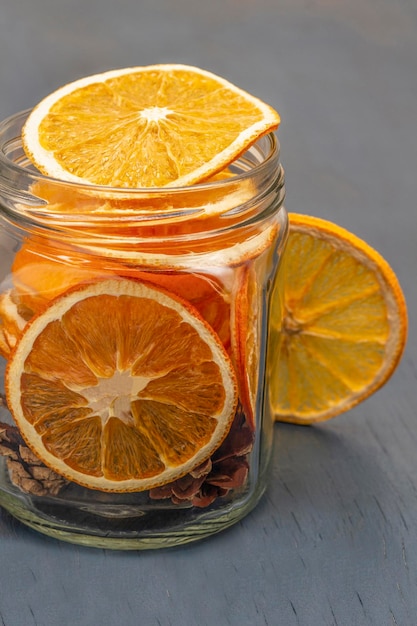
[120,386]
[338,323]
[43,270]
[12,323]
[228,250]
[206,293]
[245,337]
[154,126]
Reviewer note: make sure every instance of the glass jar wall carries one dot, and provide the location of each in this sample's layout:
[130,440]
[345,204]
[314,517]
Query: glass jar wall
[133,341]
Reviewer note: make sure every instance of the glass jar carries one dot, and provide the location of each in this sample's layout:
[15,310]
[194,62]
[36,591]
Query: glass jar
[98,373]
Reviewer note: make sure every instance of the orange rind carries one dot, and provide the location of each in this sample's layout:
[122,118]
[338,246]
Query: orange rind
[338,323]
[143,127]
[119,386]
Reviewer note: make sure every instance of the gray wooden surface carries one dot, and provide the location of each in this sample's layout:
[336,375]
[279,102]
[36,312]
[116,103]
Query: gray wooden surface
[334,542]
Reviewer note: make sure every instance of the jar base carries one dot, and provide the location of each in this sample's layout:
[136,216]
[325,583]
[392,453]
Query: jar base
[126,529]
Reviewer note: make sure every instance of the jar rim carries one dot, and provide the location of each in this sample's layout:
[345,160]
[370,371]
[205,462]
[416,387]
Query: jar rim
[123,221]
[270,151]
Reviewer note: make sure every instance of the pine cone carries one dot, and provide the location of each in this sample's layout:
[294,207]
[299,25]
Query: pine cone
[227,469]
[26,471]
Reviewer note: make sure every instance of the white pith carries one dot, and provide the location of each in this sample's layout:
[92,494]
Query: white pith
[155,114]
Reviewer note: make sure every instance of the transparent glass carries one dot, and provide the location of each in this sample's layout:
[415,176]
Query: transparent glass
[214,248]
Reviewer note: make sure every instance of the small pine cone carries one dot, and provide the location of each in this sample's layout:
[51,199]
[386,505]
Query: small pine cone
[26,471]
[230,473]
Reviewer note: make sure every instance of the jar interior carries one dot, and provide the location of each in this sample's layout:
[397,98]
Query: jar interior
[209,252]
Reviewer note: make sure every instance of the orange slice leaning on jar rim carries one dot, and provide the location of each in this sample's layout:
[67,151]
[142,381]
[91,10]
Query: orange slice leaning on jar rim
[119,386]
[143,127]
[338,323]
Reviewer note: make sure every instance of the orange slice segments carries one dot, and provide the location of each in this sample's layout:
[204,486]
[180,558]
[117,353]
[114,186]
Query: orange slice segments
[338,323]
[120,386]
[206,293]
[43,270]
[142,127]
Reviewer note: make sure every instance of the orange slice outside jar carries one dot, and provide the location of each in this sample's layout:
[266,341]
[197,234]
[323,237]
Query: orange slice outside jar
[338,323]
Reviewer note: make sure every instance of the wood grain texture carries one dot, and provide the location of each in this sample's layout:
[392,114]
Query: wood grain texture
[334,541]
